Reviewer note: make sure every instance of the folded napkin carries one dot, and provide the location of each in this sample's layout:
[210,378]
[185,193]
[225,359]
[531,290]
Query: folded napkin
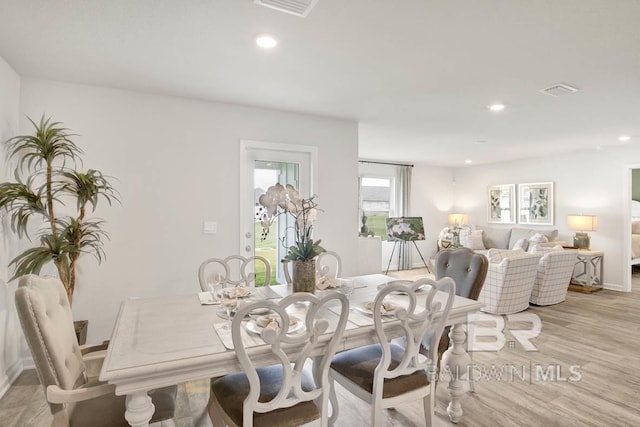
[325,283]
[240,291]
[386,307]
[206,298]
[272,321]
[243,291]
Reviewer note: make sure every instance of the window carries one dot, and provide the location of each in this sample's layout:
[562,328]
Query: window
[377,202]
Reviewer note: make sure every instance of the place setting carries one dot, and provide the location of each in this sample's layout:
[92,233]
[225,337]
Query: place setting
[255,323]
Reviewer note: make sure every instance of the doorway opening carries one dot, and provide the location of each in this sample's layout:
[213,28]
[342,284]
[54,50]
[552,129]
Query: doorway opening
[270,246]
[263,164]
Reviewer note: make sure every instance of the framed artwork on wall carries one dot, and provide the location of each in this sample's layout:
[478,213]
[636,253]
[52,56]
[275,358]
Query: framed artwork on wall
[535,203]
[501,204]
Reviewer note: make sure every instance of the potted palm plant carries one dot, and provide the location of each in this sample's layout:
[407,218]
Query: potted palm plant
[46,184]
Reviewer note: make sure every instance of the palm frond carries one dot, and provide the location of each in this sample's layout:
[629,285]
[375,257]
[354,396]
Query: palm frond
[83,237]
[32,260]
[20,202]
[51,142]
[88,187]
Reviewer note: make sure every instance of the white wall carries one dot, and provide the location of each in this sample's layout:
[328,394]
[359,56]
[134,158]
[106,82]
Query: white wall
[10,343]
[176,162]
[589,182]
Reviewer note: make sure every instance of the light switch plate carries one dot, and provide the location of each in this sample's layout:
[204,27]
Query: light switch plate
[210,227]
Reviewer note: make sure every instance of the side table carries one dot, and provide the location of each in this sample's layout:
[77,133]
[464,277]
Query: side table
[587,273]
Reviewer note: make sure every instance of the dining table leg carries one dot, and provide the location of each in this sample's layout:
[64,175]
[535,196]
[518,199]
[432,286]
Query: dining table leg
[457,361]
[140,409]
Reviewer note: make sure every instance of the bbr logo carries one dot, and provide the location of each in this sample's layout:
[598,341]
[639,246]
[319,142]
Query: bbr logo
[477,328]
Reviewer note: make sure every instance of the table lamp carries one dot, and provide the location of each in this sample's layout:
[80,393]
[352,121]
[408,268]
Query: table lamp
[581,224]
[456,219]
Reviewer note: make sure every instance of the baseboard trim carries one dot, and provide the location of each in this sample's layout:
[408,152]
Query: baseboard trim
[614,287]
[12,373]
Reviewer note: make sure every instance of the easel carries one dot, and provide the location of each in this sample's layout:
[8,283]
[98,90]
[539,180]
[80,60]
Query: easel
[395,243]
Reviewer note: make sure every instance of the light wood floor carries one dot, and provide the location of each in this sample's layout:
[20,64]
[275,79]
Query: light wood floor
[597,332]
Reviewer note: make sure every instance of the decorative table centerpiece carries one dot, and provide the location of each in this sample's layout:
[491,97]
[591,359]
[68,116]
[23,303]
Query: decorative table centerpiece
[280,200]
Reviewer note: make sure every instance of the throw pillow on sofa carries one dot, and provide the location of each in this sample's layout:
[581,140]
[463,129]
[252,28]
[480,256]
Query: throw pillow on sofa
[493,237]
[522,244]
[497,255]
[528,233]
[538,238]
[472,239]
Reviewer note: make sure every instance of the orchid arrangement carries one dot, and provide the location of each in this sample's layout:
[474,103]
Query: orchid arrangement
[280,200]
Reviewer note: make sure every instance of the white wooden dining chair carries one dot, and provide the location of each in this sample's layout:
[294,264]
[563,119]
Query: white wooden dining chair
[329,265]
[387,374]
[284,394]
[234,269]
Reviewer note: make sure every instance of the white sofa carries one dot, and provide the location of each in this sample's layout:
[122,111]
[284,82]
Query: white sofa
[512,237]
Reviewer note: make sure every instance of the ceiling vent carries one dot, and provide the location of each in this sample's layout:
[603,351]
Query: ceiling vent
[559,90]
[294,7]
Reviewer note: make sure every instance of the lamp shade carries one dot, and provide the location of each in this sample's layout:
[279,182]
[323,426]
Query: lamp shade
[457,218]
[583,222]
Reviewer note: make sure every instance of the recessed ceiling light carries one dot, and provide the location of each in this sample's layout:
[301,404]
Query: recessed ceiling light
[496,107]
[624,138]
[266,41]
[468,161]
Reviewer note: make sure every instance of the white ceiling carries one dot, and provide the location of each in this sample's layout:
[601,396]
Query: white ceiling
[416,74]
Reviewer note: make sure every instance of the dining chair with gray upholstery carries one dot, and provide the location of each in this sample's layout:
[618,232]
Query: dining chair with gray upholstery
[73,398]
[468,269]
[387,374]
[284,394]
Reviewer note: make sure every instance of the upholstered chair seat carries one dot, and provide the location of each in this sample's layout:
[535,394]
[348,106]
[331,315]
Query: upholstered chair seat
[233,389]
[284,394]
[359,365]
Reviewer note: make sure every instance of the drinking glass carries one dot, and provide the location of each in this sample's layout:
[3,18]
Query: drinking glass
[346,286]
[213,282]
[229,299]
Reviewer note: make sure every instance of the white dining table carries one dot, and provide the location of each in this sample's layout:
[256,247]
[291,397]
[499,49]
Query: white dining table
[163,341]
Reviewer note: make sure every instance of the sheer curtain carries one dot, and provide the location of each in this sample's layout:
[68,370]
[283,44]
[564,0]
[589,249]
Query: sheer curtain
[403,191]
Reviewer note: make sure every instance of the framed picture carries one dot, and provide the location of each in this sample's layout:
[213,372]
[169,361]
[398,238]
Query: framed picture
[535,203]
[501,204]
[405,228]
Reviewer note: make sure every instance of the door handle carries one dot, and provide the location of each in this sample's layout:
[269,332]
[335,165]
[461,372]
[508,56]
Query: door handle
[247,248]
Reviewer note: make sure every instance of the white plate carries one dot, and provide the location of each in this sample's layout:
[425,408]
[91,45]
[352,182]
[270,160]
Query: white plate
[258,311]
[383,285]
[363,309]
[254,328]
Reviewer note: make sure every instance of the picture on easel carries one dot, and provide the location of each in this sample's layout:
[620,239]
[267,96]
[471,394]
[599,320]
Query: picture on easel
[404,228]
